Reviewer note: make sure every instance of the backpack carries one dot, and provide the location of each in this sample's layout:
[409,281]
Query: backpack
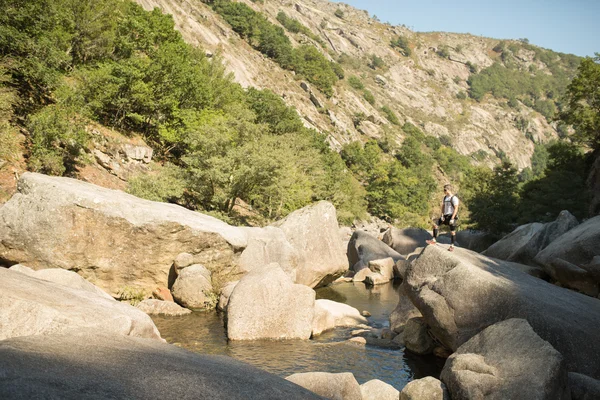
[451,198]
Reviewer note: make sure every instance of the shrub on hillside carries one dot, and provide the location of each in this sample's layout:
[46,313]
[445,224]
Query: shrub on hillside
[401,43]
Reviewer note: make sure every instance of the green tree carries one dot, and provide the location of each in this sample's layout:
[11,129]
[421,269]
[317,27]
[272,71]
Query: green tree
[582,105]
[494,208]
[561,187]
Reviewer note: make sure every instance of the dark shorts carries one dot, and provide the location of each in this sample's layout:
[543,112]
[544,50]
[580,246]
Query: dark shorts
[446,221]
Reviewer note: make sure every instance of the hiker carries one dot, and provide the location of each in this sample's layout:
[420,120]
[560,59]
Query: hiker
[448,217]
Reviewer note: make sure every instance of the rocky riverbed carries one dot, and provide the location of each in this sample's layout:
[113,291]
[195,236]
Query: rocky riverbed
[522,325]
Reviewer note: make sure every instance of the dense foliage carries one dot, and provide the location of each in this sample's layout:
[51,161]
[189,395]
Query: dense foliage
[295,26]
[582,109]
[272,41]
[508,79]
[131,70]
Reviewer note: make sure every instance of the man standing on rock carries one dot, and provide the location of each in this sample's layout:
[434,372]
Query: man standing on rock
[448,217]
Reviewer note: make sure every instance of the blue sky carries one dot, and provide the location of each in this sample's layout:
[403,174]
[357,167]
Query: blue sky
[564,26]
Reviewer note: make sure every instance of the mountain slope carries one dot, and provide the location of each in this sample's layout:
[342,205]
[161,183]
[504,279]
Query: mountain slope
[421,89]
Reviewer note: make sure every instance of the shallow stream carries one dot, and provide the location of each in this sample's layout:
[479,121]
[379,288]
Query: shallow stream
[204,332]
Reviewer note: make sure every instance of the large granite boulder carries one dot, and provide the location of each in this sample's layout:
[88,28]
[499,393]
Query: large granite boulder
[62,277]
[583,387]
[404,311]
[342,386]
[378,390]
[507,360]
[525,242]
[416,337]
[573,276]
[93,365]
[193,288]
[267,304]
[514,242]
[111,238]
[427,388]
[313,232]
[343,314]
[31,306]
[268,245]
[364,248]
[474,240]
[578,246]
[406,240]
[460,293]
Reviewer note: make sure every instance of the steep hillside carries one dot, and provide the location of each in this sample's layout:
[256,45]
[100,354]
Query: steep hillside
[426,88]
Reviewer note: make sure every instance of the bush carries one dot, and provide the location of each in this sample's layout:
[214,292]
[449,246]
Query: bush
[376,62]
[400,42]
[461,95]
[443,52]
[339,13]
[58,140]
[368,96]
[355,82]
[446,140]
[390,115]
[167,184]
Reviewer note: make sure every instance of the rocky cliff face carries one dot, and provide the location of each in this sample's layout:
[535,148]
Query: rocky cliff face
[421,89]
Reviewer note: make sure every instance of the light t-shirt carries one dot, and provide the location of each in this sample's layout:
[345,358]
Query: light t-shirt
[450,202]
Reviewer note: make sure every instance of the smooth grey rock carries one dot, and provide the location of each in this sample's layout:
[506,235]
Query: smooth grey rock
[474,240]
[137,153]
[32,306]
[578,246]
[22,269]
[183,260]
[313,231]
[153,306]
[416,338]
[342,386]
[361,275]
[573,277]
[93,365]
[583,387]
[343,314]
[70,279]
[113,239]
[323,320]
[363,248]
[225,294]
[427,388]
[507,360]
[375,278]
[385,267]
[193,288]
[378,390]
[459,294]
[269,245]
[404,311]
[406,240]
[513,243]
[525,242]
[266,304]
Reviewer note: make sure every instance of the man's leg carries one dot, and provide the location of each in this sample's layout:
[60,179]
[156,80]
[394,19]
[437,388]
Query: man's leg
[452,237]
[435,233]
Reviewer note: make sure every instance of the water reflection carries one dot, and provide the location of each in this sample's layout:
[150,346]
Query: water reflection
[205,333]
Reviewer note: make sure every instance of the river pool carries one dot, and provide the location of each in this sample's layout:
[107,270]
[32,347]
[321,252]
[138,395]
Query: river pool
[204,332]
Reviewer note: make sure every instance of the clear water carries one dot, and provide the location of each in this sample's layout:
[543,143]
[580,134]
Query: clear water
[204,332]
